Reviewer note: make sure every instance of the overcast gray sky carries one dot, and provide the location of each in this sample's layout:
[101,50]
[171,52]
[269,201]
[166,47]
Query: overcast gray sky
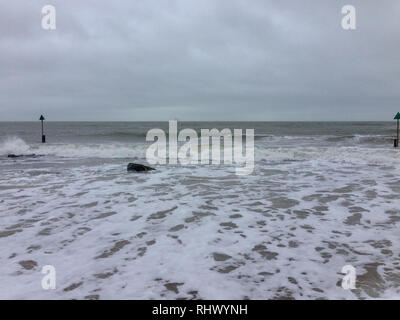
[199,60]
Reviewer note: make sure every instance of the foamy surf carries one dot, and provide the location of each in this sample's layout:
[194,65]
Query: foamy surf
[13,145]
[17,146]
[200,231]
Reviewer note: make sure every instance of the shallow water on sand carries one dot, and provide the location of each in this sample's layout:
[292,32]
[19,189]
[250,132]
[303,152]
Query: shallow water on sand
[313,204]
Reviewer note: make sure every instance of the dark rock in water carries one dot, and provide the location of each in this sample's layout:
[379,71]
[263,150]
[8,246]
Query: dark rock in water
[11,155]
[138,167]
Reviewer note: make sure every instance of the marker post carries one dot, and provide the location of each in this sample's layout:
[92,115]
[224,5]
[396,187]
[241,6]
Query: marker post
[43,136]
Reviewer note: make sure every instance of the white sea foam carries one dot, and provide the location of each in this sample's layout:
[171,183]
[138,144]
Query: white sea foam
[200,231]
[273,148]
[13,145]
[331,154]
[90,150]
[17,146]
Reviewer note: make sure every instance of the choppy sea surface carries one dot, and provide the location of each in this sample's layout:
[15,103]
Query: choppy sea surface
[322,195]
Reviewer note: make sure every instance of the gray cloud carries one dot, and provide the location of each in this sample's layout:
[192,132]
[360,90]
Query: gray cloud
[200,60]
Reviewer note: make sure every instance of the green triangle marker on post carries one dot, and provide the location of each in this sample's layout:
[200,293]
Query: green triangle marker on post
[43,136]
[396,141]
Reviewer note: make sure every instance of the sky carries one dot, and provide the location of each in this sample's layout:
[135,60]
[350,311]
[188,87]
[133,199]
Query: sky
[149,60]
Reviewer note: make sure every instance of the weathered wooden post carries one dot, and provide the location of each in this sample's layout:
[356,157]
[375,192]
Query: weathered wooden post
[43,136]
[396,141]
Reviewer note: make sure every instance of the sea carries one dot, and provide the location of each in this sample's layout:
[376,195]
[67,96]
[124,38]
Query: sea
[323,198]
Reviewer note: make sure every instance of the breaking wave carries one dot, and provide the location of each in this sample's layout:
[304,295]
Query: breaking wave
[13,145]
[17,146]
[272,149]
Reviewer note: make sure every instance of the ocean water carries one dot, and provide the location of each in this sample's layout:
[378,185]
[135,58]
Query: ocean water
[322,196]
